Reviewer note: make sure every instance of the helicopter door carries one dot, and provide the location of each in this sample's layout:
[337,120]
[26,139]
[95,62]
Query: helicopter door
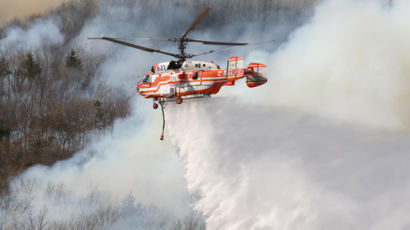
[195,77]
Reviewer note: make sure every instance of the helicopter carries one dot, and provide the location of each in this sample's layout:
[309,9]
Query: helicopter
[182,79]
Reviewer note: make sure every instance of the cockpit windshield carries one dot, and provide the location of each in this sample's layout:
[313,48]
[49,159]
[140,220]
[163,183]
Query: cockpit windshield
[174,65]
[146,79]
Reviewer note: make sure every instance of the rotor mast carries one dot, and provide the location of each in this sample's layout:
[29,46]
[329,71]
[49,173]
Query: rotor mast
[183,40]
[181,47]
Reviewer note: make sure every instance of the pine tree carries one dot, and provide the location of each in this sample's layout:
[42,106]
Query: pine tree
[32,67]
[99,115]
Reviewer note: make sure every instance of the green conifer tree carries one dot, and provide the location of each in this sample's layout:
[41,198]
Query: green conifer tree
[32,67]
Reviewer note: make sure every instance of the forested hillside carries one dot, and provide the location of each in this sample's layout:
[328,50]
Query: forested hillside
[47,104]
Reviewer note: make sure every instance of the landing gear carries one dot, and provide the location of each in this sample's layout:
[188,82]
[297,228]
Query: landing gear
[155,105]
[179,100]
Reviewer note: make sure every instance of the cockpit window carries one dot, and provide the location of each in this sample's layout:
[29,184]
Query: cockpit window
[174,65]
[146,79]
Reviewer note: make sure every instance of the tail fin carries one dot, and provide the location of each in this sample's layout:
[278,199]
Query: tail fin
[256,75]
[234,70]
[235,67]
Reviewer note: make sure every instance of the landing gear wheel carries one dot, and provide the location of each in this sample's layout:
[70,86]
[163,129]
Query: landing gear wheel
[155,105]
[179,100]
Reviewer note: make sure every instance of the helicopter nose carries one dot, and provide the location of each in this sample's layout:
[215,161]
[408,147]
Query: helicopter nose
[138,88]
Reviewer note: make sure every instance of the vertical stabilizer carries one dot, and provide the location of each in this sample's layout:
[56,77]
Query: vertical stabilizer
[235,67]
[234,70]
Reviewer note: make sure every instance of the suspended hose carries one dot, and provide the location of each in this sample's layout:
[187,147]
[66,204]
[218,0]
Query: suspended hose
[163,120]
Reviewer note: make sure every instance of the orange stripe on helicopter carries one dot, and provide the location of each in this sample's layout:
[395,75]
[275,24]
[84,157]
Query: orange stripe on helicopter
[167,83]
[212,90]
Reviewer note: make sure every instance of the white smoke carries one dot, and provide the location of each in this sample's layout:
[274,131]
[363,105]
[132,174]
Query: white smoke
[42,32]
[128,161]
[348,62]
[316,153]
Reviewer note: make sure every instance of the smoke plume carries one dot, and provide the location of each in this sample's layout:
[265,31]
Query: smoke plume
[350,61]
[125,161]
[43,32]
[327,146]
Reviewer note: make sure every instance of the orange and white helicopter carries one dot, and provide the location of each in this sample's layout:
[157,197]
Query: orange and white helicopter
[185,79]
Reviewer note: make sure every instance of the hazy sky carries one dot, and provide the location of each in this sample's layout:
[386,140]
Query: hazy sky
[10,9]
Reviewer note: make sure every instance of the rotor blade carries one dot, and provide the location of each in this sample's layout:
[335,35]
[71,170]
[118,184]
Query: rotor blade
[139,38]
[195,23]
[135,46]
[228,48]
[218,43]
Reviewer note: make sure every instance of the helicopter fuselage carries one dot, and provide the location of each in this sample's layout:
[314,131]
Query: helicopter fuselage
[192,79]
